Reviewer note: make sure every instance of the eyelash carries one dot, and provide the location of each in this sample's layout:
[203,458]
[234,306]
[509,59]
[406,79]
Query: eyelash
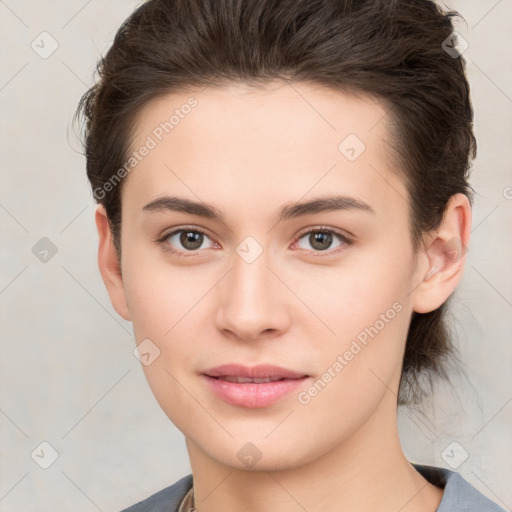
[188,254]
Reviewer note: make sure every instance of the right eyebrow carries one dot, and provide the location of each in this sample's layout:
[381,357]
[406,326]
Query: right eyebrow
[181,204]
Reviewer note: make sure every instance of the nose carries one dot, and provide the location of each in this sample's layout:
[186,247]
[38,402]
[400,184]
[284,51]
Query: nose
[252,301]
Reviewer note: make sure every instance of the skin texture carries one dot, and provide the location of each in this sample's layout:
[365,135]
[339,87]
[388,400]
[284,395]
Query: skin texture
[249,152]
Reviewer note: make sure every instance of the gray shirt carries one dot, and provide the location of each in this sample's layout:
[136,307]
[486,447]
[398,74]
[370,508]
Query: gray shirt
[459,495]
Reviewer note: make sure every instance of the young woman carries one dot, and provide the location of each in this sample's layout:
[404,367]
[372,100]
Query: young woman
[283,215]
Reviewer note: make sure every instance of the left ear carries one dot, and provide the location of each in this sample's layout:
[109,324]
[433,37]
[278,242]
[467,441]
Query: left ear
[444,257]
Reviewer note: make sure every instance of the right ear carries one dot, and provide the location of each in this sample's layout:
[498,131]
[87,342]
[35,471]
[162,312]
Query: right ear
[109,264]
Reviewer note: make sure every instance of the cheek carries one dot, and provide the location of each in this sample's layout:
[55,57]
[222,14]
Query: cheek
[367,351]
[356,372]
[160,315]
[344,301]
[158,297]
[367,311]
[164,306]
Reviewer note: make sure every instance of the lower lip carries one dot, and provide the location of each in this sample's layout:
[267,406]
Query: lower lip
[253,395]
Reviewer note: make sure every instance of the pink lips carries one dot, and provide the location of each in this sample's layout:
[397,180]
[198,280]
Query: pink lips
[252,394]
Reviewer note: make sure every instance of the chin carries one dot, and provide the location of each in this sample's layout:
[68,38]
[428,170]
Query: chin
[258,456]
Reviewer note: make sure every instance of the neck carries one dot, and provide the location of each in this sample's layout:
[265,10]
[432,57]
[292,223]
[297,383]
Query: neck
[365,472]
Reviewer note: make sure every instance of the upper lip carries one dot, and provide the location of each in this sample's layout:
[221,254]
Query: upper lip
[261,371]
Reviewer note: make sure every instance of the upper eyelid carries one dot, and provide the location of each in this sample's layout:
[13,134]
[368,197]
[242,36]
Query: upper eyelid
[335,231]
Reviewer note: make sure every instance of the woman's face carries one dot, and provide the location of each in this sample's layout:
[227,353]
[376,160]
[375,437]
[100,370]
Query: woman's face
[266,284]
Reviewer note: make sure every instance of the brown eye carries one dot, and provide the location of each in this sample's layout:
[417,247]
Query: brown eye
[191,240]
[321,239]
[184,240]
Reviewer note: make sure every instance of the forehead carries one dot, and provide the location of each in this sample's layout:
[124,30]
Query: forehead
[249,143]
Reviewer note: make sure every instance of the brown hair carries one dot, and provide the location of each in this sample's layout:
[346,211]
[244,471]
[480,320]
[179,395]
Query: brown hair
[389,49]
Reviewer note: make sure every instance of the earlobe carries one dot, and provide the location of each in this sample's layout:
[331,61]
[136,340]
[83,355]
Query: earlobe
[109,264]
[445,256]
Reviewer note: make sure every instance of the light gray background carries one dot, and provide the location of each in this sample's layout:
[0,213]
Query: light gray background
[68,373]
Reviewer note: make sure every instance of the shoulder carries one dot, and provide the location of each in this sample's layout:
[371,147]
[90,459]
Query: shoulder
[459,495]
[166,500]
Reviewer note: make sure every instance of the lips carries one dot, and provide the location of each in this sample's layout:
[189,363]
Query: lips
[252,387]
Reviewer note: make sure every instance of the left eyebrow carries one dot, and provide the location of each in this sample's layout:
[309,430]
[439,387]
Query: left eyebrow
[323,204]
[291,210]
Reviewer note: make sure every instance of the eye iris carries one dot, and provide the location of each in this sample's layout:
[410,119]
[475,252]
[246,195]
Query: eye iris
[324,240]
[194,237]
